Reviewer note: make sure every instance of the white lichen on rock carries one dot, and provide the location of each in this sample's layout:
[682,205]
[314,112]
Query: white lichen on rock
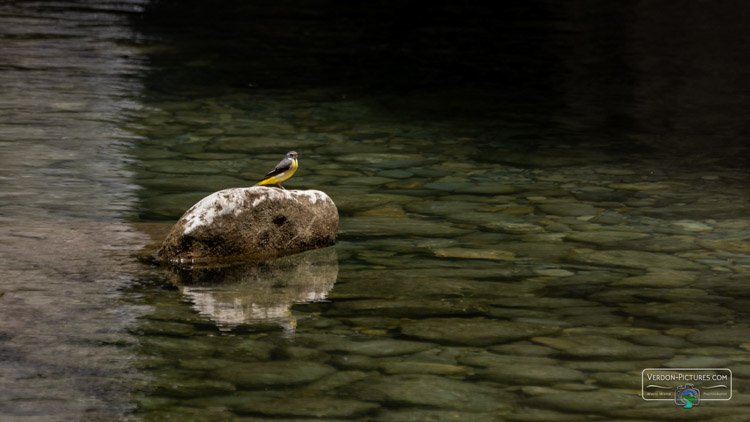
[234,201]
[214,205]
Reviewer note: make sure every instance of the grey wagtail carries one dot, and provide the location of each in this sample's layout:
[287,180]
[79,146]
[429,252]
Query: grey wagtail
[284,170]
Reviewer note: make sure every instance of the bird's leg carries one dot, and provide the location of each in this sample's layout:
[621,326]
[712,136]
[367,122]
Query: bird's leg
[279,183]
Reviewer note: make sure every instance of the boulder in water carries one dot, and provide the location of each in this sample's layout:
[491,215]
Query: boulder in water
[254,223]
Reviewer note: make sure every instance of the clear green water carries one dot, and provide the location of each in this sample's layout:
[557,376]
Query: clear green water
[520,236]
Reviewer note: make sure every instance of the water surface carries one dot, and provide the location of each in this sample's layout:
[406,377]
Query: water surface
[535,206]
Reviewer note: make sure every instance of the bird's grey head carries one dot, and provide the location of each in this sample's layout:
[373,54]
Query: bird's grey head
[292,155]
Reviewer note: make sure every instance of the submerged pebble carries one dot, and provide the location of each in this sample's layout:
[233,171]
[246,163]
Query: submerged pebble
[272,374]
[474,332]
[430,390]
[633,259]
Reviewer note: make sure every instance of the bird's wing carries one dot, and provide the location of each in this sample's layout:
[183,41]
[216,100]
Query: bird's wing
[283,166]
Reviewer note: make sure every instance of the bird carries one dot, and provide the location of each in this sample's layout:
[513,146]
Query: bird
[284,170]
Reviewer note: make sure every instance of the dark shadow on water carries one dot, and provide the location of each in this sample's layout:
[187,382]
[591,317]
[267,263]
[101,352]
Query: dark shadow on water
[632,78]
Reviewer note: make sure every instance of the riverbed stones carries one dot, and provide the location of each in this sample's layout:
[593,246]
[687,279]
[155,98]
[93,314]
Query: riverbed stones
[465,253]
[722,336]
[460,240]
[605,237]
[641,186]
[527,374]
[600,347]
[251,350]
[272,374]
[412,367]
[567,209]
[632,259]
[659,279]
[693,226]
[429,390]
[387,226]
[304,407]
[681,312]
[251,223]
[473,332]
[374,348]
[585,402]
[728,245]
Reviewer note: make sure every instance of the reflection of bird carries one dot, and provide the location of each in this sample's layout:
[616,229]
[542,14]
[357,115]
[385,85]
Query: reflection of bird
[284,170]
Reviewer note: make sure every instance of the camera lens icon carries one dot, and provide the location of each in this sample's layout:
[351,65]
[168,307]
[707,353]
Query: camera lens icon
[687,396]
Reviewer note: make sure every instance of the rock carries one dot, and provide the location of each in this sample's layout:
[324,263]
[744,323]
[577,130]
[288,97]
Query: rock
[252,223]
[396,173]
[251,350]
[586,402]
[272,374]
[464,253]
[522,349]
[183,347]
[728,245]
[419,415]
[684,313]
[647,411]
[473,332]
[729,336]
[640,186]
[509,209]
[336,380]
[486,359]
[405,308]
[305,407]
[547,251]
[431,391]
[302,353]
[357,362]
[609,218]
[387,226]
[667,244]
[597,347]
[411,367]
[209,364]
[660,340]
[374,348]
[567,209]
[491,188]
[632,259]
[659,279]
[513,228]
[534,302]
[604,237]
[708,208]
[166,328]
[440,208]
[594,320]
[526,374]
[553,272]
[698,362]
[693,226]
[365,181]
[616,380]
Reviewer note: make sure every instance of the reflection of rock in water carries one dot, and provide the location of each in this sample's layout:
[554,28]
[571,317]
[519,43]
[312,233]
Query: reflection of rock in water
[259,292]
